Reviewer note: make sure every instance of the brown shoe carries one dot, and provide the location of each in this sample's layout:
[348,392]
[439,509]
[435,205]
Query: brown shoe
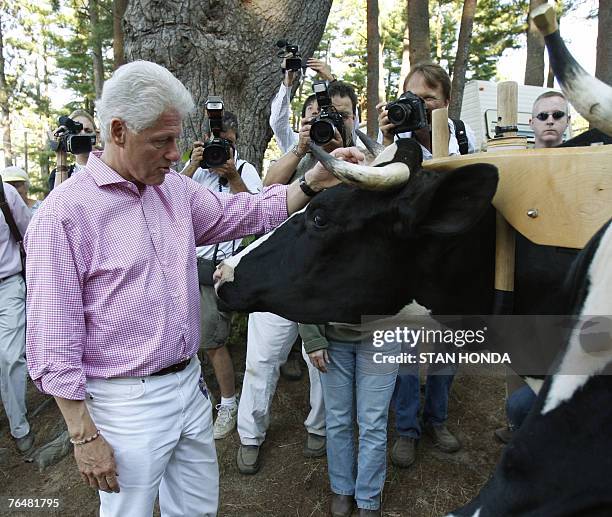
[403,452]
[315,446]
[504,434]
[341,505]
[443,438]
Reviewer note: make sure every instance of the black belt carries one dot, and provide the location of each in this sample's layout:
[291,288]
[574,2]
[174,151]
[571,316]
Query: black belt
[7,277]
[174,368]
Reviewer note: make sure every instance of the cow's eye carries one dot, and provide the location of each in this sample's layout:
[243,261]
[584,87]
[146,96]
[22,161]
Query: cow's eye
[319,221]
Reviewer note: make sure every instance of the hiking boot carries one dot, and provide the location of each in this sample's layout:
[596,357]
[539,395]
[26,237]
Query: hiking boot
[292,369]
[443,438]
[225,422]
[25,443]
[504,434]
[248,459]
[403,452]
[341,505]
[315,446]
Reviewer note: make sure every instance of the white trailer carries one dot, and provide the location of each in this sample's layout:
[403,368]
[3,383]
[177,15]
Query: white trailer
[479,110]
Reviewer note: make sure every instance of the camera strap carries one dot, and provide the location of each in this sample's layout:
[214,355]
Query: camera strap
[8,216]
[461,136]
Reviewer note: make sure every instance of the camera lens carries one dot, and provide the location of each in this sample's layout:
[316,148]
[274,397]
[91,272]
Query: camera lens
[322,131]
[215,155]
[398,113]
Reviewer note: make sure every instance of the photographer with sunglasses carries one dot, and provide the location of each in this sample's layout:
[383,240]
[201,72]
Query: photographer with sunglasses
[550,119]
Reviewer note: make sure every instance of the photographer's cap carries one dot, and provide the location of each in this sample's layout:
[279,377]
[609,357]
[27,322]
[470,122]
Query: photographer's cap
[14,173]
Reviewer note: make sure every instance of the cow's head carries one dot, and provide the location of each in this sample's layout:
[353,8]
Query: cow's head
[354,252]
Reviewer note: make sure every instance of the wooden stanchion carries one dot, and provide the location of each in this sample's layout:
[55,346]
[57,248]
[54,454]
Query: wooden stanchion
[439,133]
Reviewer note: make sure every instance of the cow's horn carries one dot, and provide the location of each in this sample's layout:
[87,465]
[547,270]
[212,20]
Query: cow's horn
[366,177]
[371,145]
[591,97]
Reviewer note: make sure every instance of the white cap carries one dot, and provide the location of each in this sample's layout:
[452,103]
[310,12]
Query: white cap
[13,173]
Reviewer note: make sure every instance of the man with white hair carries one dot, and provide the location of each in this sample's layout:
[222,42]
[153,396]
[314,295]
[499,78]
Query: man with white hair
[113,299]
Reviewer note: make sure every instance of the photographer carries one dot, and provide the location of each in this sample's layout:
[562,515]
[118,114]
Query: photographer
[280,109]
[293,164]
[431,83]
[233,176]
[89,128]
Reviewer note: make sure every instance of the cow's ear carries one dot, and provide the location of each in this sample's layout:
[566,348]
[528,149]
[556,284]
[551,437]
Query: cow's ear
[460,200]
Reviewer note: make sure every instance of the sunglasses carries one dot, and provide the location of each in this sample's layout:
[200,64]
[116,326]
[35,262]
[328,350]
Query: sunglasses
[555,115]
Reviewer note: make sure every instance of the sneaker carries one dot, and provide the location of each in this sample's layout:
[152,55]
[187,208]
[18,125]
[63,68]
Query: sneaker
[504,434]
[443,438]
[225,422]
[248,459]
[315,446]
[292,369]
[403,452]
[25,443]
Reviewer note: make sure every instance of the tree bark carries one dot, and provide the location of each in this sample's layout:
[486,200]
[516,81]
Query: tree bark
[405,68]
[119,7]
[373,66]
[419,45]
[461,61]
[603,64]
[225,48]
[5,123]
[96,47]
[534,68]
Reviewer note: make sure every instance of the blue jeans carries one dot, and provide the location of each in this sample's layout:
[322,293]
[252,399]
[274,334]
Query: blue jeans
[408,402]
[353,378]
[518,405]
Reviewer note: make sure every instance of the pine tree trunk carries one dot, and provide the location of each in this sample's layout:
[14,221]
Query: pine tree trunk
[119,7]
[418,31]
[463,52]
[5,123]
[96,47]
[534,68]
[225,48]
[405,68]
[603,66]
[373,66]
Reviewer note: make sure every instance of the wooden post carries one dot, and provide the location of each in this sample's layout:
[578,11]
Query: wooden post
[439,133]
[507,106]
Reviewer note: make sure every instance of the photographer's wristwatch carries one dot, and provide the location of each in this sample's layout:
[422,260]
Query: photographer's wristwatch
[306,188]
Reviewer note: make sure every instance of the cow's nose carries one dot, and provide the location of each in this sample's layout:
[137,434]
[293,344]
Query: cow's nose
[223,273]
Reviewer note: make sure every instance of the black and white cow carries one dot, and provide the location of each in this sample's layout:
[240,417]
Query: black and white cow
[559,463]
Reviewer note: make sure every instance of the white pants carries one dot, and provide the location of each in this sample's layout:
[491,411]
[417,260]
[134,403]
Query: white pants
[160,429]
[269,341]
[13,370]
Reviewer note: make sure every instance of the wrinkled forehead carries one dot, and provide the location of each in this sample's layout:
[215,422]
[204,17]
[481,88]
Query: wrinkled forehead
[550,104]
[342,104]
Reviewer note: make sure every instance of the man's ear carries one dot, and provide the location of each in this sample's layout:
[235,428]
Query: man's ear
[118,132]
[460,200]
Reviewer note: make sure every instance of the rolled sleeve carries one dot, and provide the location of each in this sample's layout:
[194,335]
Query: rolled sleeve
[219,217]
[279,119]
[313,337]
[55,333]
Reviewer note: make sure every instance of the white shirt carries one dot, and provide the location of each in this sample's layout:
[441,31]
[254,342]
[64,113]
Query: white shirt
[453,144]
[211,181]
[10,259]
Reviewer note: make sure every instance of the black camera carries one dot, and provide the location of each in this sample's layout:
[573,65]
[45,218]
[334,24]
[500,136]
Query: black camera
[69,138]
[408,113]
[323,126]
[216,150]
[293,62]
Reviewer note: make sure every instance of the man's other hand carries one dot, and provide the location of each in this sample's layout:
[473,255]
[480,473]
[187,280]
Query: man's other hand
[96,463]
[319,178]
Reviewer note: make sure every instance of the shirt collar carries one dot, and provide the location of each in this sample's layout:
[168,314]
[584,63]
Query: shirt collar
[102,173]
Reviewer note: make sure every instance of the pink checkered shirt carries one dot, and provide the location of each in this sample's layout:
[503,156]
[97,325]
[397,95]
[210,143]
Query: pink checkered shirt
[112,277]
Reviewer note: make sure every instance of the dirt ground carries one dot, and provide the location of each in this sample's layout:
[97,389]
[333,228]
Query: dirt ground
[289,484]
